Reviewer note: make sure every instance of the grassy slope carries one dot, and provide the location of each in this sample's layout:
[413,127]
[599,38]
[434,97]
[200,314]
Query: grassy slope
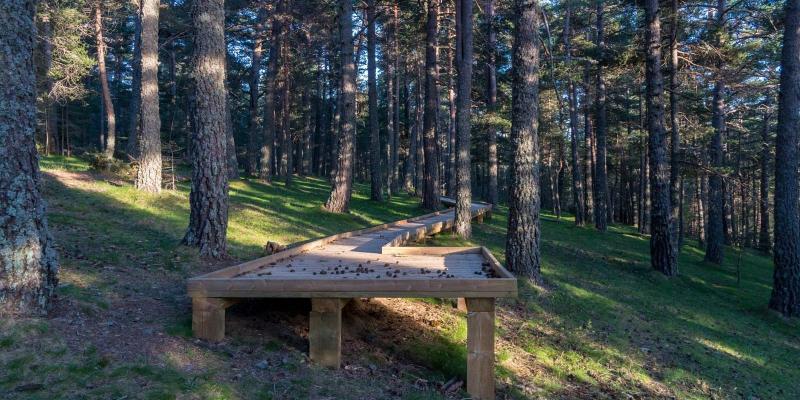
[606,326]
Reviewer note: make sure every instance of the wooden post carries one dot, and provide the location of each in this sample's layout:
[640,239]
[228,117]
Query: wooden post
[208,317]
[325,331]
[480,348]
[479,218]
[461,304]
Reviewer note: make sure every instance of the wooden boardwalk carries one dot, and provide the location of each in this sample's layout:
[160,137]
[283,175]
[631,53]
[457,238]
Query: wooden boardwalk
[368,263]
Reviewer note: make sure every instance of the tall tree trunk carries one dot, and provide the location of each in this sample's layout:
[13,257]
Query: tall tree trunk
[392,128]
[108,105]
[339,200]
[663,254]
[254,131]
[419,140]
[764,243]
[451,128]
[522,244]
[430,188]
[491,98]
[588,164]
[376,181]
[577,179]
[675,140]
[267,148]
[148,175]
[208,200]
[28,261]
[394,163]
[600,180]
[716,196]
[786,279]
[134,110]
[463,221]
[48,106]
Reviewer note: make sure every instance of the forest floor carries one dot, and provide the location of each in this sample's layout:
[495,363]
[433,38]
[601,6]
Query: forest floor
[604,326]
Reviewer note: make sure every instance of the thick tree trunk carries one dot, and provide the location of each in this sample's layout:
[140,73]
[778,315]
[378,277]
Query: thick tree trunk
[675,140]
[430,187]
[600,180]
[463,221]
[28,260]
[254,131]
[786,279]
[588,163]
[134,109]
[208,200]
[148,176]
[451,128]
[522,244]
[376,178]
[663,254]
[491,99]
[764,243]
[108,105]
[339,200]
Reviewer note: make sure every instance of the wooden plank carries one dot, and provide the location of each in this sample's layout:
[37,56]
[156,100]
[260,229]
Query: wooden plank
[480,348]
[325,331]
[498,268]
[208,317]
[429,251]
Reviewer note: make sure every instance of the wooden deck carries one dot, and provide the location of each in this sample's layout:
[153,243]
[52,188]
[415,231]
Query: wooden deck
[368,263]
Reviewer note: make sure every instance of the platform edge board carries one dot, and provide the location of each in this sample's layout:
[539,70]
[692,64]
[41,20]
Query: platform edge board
[270,286]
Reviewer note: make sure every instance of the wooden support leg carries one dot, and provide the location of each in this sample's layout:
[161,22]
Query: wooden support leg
[325,331]
[479,218]
[480,348]
[208,317]
[461,304]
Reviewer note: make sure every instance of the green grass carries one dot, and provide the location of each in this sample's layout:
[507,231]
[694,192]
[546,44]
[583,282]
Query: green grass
[609,323]
[604,326]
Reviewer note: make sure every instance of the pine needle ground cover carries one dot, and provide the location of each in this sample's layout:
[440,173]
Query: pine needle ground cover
[605,325]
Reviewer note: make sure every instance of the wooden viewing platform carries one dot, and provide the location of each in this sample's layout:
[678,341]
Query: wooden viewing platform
[362,264]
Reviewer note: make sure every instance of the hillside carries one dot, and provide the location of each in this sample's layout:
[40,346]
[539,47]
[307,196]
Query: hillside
[605,325]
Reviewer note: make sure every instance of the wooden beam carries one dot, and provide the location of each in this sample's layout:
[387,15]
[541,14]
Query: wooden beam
[208,317]
[480,348]
[325,331]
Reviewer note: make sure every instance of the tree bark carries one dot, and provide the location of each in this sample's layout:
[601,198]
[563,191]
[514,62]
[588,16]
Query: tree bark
[600,180]
[675,140]
[148,175]
[663,254]
[134,120]
[430,187]
[339,199]
[208,200]
[463,221]
[108,105]
[764,243]
[522,244]
[786,278]
[28,260]
[376,178]
[491,99]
